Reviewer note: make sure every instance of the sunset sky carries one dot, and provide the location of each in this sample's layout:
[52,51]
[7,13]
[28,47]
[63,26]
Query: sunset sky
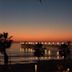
[32,20]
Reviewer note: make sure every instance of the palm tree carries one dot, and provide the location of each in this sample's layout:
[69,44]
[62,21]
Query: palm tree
[5,42]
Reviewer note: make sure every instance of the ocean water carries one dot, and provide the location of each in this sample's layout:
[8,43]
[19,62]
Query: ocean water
[20,55]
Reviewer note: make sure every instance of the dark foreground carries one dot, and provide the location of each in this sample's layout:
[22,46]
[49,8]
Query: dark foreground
[42,66]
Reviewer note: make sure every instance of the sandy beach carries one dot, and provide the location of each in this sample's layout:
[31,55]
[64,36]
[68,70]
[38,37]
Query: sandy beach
[41,66]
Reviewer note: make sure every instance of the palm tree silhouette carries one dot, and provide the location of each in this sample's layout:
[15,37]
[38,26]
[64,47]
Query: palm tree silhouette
[5,42]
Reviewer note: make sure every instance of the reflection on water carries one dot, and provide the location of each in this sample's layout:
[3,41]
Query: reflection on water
[14,60]
[18,55]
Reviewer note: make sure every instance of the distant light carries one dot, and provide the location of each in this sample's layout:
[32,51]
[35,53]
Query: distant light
[58,43]
[35,67]
[57,53]
[62,43]
[45,52]
[31,50]
[42,42]
[49,52]
[49,43]
[36,42]
[29,42]
[46,57]
[68,69]
[45,43]
[21,50]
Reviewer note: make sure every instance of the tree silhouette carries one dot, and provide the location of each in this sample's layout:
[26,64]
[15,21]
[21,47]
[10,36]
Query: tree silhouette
[5,42]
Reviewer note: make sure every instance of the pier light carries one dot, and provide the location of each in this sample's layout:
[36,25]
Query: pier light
[41,42]
[57,53]
[68,69]
[62,42]
[57,43]
[29,50]
[36,58]
[45,43]
[21,50]
[29,42]
[46,58]
[49,43]
[36,42]
[36,67]
[49,52]
[46,52]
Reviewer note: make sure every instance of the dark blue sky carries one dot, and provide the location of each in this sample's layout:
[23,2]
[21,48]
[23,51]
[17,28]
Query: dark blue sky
[25,18]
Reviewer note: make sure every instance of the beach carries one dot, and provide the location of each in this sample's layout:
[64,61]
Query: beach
[40,66]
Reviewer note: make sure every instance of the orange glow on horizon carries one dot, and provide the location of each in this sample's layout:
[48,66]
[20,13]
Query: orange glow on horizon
[40,38]
[48,36]
[39,35]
